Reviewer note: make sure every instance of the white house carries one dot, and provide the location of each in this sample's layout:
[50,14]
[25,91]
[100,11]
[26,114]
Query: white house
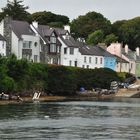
[21,39]
[89,57]
[2,46]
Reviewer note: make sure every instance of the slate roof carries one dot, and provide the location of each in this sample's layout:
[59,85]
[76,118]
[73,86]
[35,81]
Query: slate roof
[21,28]
[2,38]
[45,30]
[130,55]
[94,50]
[61,31]
[119,59]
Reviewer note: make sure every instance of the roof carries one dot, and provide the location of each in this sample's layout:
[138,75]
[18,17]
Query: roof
[130,55]
[21,28]
[70,41]
[90,50]
[119,59]
[45,30]
[104,52]
[94,50]
[61,31]
[2,38]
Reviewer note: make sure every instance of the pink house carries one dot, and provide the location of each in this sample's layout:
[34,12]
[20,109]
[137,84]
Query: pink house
[126,54]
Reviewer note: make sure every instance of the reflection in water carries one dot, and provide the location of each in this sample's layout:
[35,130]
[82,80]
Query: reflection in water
[118,119]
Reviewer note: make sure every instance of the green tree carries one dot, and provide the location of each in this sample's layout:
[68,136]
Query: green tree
[110,38]
[49,18]
[95,37]
[16,10]
[128,32]
[89,23]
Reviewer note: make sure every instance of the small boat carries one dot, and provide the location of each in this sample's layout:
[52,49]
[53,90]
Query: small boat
[36,96]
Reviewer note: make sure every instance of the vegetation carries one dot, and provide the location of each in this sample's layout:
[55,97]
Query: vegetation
[51,19]
[21,76]
[89,23]
[16,10]
[128,32]
[95,37]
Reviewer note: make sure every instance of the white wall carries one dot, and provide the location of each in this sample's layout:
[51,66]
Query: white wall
[15,46]
[2,27]
[35,49]
[66,58]
[91,64]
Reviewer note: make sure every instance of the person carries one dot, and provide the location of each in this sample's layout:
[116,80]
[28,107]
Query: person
[2,94]
[19,98]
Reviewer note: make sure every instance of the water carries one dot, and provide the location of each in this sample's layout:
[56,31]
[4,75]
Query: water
[71,120]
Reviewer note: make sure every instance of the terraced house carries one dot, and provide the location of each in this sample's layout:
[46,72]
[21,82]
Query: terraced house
[41,43]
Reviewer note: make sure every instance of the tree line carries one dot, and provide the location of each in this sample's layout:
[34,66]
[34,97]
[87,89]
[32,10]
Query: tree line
[93,26]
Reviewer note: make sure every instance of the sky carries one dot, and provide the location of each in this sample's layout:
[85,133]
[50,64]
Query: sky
[111,9]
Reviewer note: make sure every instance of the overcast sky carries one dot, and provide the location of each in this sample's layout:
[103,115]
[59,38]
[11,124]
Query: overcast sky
[112,9]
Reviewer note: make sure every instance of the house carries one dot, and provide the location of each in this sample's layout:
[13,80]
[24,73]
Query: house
[137,62]
[109,59]
[21,39]
[50,45]
[126,54]
[2,46]
[70,47]
[121,64]
[90,57]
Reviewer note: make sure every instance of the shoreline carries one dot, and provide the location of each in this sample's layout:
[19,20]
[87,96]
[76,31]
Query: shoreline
[90,97]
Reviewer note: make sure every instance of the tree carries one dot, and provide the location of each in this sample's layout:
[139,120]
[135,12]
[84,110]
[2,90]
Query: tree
[110,38]
[49,18]
[128,32]
[95,37]
[89,23]
[16,10]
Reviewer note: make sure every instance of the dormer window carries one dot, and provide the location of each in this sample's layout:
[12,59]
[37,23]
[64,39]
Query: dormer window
[67,36]
[53,38]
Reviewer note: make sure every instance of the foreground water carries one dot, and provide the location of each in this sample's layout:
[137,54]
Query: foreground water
[71,120]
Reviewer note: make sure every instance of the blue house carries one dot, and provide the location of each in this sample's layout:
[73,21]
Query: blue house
[109,59]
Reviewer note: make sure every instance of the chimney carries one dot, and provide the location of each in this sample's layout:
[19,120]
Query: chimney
[138,51]
[35,24]
[67,27]
[126,49]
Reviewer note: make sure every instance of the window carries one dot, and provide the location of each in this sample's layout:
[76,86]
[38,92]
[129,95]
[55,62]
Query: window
[3,44]
[96,60]
[35,58]
[70,63]
[89,59]
[85,59]
[65,50]
[58,49]
[53,39]
[87,66]
[35,44]
[55,60]
[52,48]
[83,66]
[71,50]
[126,65]
[27,44]
[101,60]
